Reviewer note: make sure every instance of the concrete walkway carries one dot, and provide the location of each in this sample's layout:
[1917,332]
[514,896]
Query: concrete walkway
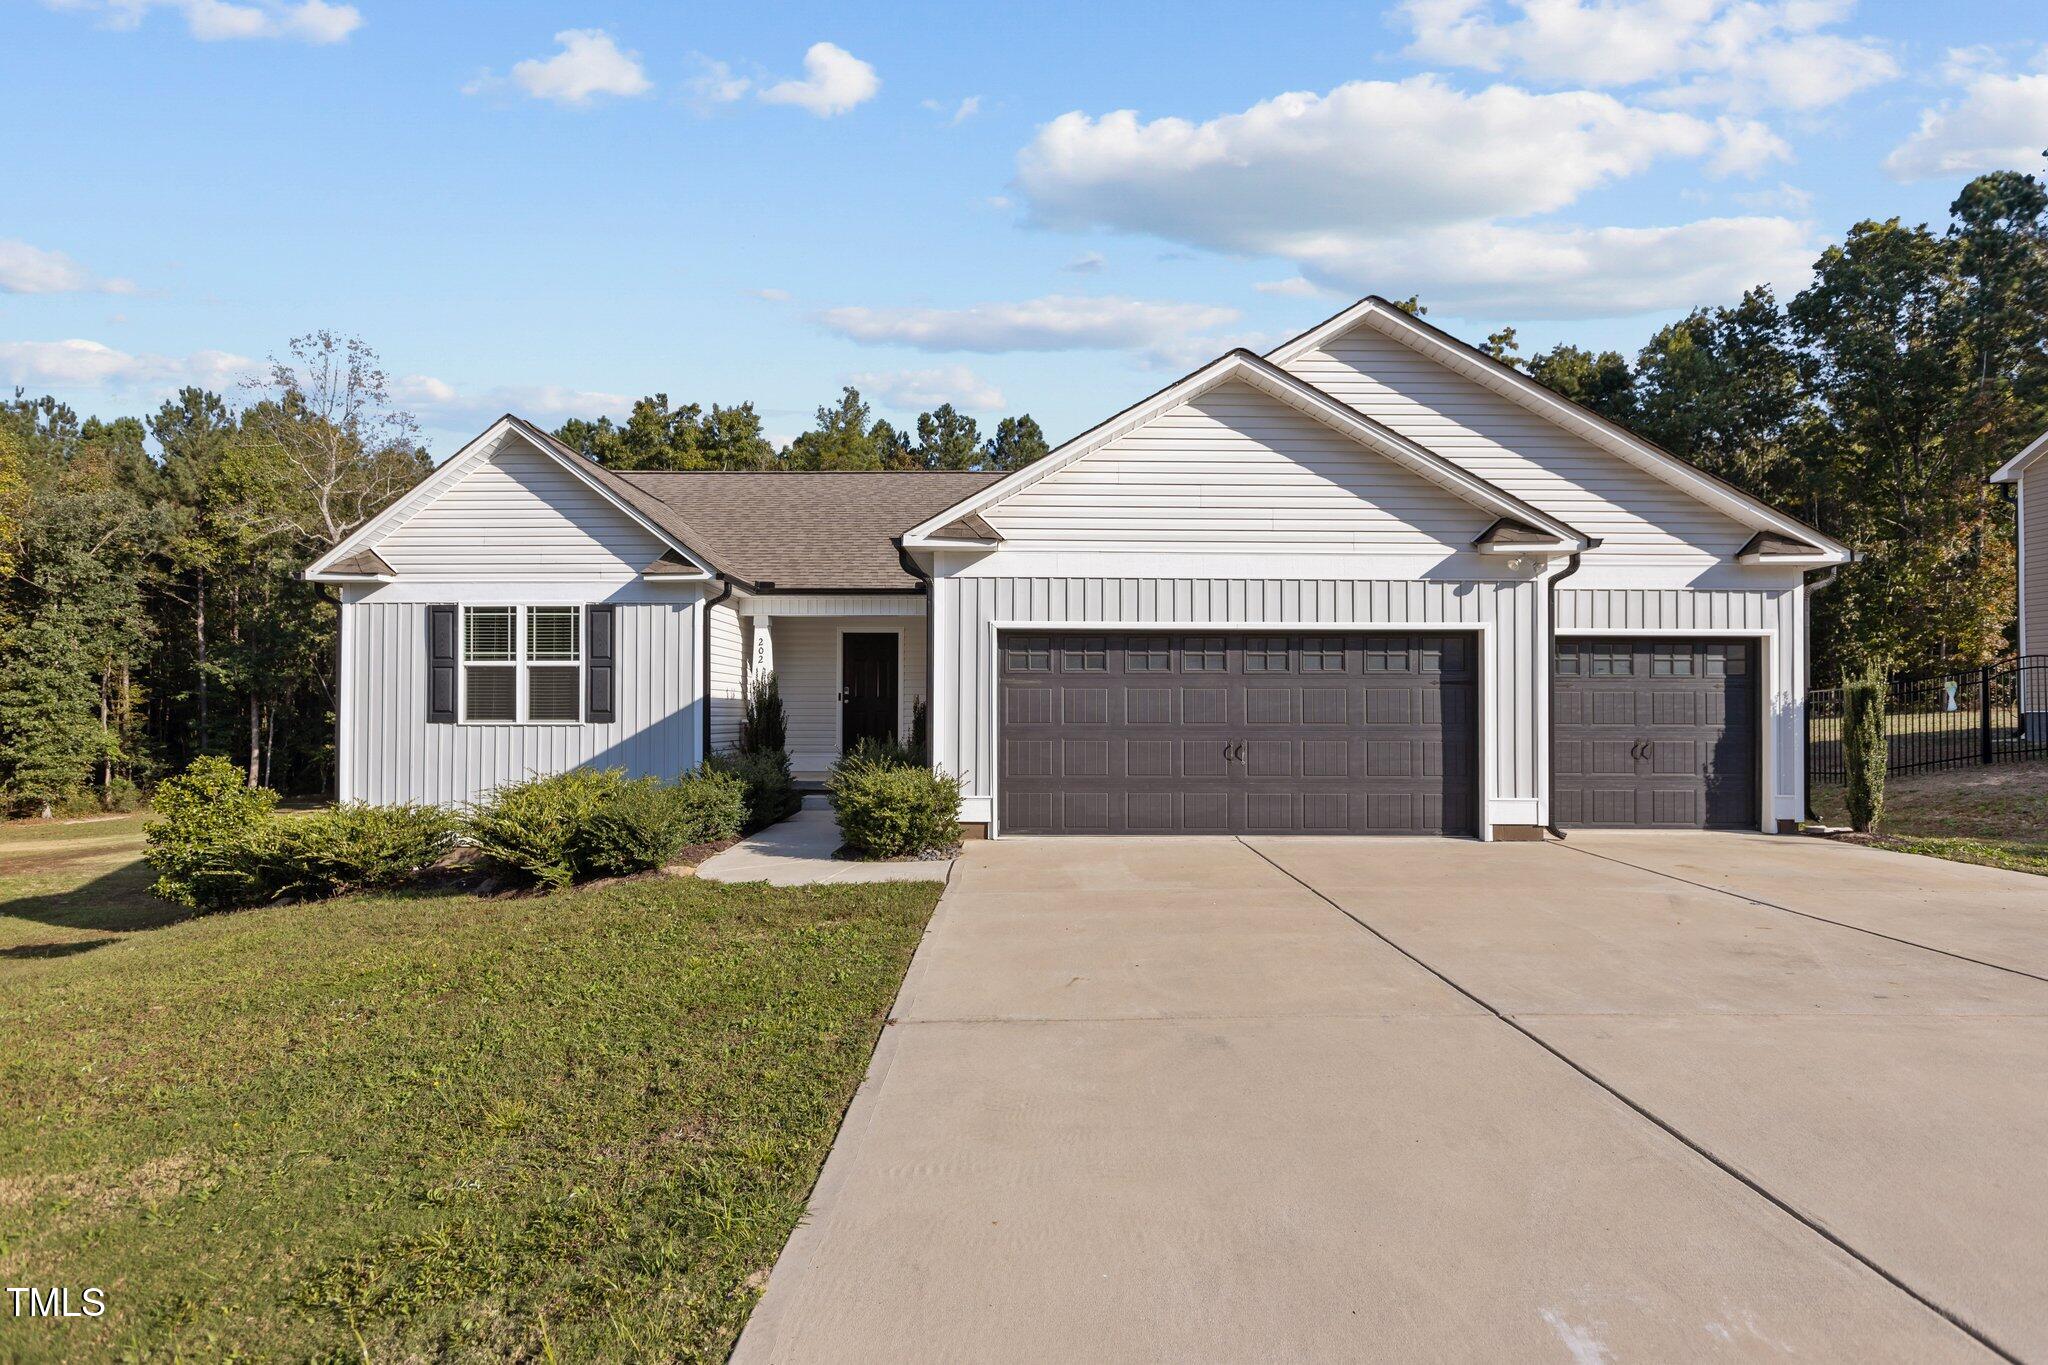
[1404,1099]
[798,852]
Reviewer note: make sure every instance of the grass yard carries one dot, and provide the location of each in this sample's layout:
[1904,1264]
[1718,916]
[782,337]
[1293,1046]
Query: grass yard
[399,1128]
[1996,815]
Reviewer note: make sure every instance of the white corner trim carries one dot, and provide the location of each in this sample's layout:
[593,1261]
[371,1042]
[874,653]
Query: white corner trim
[1283,387]
[1396,325]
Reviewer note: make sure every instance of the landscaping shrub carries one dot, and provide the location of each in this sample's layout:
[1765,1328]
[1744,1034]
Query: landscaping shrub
[536,831]
[356,847]
[764,729]
[644,824]
[771,792]
[211,848]
[878,753]
[889,809]
[920,732]
[1865,751]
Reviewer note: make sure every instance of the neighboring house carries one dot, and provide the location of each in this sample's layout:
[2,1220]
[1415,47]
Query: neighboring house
[1372,582]
[2027,472]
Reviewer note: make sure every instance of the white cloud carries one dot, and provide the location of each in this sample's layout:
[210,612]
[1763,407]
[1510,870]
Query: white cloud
[770,295]
[1400,186]
[1371,157]
[956,114]
[438,401]
[714,82]
[26,269]
[590,64]
[1999,123]
[306,21]
[1053,323]
[1784,199]
[1087,263]
[834,81]
[921,390]
[1293,288]
[1494,270]
[80,364]
[1741,52]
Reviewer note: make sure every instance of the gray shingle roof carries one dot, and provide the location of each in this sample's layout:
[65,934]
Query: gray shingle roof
[799,530]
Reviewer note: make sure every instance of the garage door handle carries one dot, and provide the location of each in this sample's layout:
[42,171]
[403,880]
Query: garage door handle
[1232,751]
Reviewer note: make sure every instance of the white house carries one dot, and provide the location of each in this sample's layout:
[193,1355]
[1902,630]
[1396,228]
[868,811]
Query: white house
[2027,472]
[1373,581]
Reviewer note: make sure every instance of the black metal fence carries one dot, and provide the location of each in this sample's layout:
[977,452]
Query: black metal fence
[1994,714]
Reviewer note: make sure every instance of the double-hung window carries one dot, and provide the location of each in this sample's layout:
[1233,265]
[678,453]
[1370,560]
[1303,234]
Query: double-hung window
[522,663]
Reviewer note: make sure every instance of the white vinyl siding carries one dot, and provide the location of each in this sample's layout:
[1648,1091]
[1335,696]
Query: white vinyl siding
[1237,469]
[1633,513]
[1777,616]
[967,606]
[391,753]
[807,670]
[728,676]
[518,515]
[2033,509]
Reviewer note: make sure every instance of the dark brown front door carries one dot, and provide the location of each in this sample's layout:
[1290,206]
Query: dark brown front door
[1171,733]
[1656,733]
[867,687]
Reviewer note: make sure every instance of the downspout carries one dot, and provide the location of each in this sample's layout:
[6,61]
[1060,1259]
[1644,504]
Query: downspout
[1813,589]
[1550,694]
[911,567]
[723,593]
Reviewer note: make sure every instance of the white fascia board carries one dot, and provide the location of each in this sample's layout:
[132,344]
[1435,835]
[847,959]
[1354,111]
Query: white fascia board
[1517,387]
[450,473]
[1277,384]
[2010,471]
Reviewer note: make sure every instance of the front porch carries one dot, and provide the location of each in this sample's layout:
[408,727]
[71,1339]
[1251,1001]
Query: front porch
[848,665]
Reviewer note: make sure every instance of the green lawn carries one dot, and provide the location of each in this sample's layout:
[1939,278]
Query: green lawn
[399,1128]
[1996,815]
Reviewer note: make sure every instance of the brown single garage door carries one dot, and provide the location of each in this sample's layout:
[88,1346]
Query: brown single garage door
[1168,733]
[1656,733]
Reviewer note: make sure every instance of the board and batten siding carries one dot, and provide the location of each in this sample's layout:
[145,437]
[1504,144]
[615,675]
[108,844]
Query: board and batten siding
[1778,616]
[968,604]
[2033,515]
[518,515]
[391,753]
[1635,514]
[728,676]
[1240,471]
[807,658]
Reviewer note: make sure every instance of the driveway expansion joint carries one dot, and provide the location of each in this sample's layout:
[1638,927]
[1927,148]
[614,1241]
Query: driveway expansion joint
[1726,1167]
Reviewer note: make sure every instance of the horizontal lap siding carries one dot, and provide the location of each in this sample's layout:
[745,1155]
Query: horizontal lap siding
[728,677]
[1602,495]
[519,516]
[395,755]
[1237,468]
[1779,613]
[1512,665]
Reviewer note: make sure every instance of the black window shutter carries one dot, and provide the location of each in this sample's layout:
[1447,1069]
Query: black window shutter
[442,661]
[600,667]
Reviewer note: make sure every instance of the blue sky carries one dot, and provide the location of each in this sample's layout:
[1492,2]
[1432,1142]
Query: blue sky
[555,207]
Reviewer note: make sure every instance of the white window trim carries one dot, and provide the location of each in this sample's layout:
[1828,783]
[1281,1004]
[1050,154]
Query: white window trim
[519,663]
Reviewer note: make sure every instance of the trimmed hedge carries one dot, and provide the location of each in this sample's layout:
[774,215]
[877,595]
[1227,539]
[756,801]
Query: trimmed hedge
[356,847]
[584,823]
[888,808]
[1866,753]
[770,790]
[644,824]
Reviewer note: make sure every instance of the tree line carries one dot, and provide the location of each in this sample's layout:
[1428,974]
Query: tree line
[151,608]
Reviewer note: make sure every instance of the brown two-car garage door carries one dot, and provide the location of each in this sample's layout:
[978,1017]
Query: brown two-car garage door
[1656,733]
[1171,733]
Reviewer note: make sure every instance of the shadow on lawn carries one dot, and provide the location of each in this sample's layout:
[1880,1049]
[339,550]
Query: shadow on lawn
[114,902]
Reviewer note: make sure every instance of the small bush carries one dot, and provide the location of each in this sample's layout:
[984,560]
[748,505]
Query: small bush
[893,810]
[356,847]
[1865,752]
[644,824]
[771,791]
[536,830]
[212,847]
[921,732]
[764,729]
[878,753]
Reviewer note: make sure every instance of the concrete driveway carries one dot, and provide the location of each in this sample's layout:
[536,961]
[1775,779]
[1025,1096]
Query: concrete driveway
[1634,1097]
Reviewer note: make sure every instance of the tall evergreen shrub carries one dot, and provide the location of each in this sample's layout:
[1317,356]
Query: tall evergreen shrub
[1865,752]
